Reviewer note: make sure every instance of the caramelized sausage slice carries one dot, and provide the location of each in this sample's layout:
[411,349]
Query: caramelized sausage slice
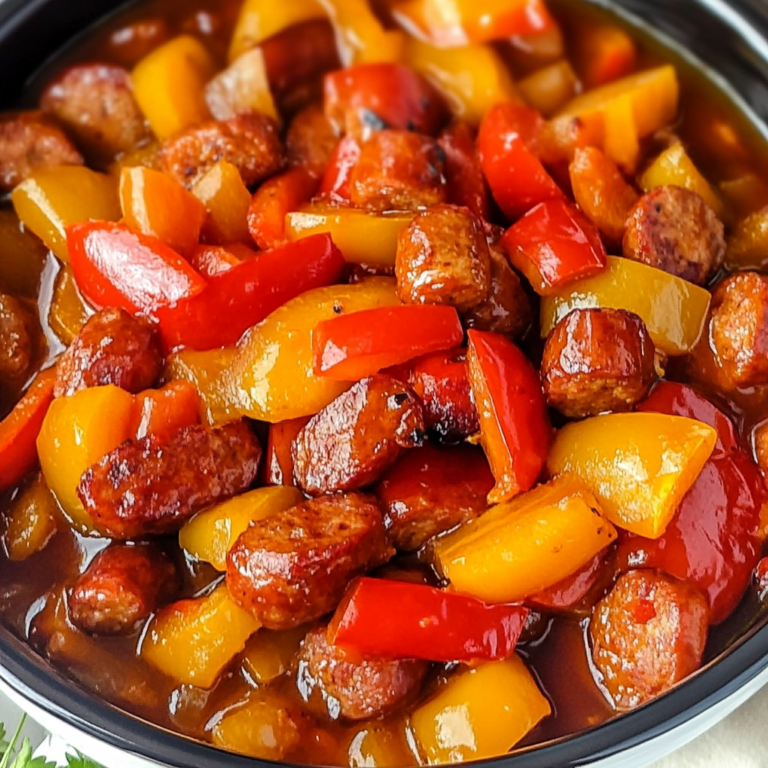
[143,488]
[354,439]
[673,229]
[350,688]
[16,345]
[647,634]
[30,142]
[597,360]
[311,140]
[250,142]
[112,348]
[295,566]
[121,587]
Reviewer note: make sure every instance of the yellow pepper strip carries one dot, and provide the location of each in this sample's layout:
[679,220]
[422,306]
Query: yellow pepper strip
[549,89]
[192,641]
[76,433]
[227,200]
[748,245]
[210,535]
[362,238]
[479,713]
[674,167]
[49,200]
[68,313]
[261,19]
[673,310]
[269,654]
[169,85]
[472,78]
[32,521]
[380,745]
[271,377]
[639,465]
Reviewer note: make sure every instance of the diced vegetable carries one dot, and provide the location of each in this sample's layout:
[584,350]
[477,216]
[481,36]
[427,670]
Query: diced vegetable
[604,53]
[378,743]
[22,257]
[530,544]
[566,595]
[673,310]
[226,199]
[555,244]
[748,243]
[242,87]
[192,641]
[268,654]
[49,200]
[279,461]
[353,346]
[32,521]
[68,313]
[480,713]
[210,535]
[271,375]
[169,85]
[396,620]
[336,179]
[745,195]
[514,426]
[211,260]
[639,465]
[548,90]
[163,412]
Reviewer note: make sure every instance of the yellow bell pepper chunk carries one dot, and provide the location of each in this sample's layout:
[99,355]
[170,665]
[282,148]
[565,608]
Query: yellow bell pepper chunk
[748,245]
[674,167]
[227,200]
[639,465]
[31,521]
[192,641]
[472,78]
[524,546]
[479,713]
[673,310]
[169,85]
[271,377]
[68,313]
[269,654]
[362,238]
[77,432]
[380,745]
[549,89]
[51,199]
[211,534]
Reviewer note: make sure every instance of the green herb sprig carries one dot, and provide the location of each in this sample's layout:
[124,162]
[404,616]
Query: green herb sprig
[11,757]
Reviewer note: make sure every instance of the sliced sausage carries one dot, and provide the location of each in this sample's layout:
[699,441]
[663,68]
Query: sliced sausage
[443,258]
[250,142]
[121,587]
[430,491]
[145,487]
[355,438]
[647,634]
[16,345]
[673,229]
[345,687]
[739,329]
[463,172]
[398,170]
[95,103]
[311,140]
[295,566]
[597,360]
[112,348]
[29,142]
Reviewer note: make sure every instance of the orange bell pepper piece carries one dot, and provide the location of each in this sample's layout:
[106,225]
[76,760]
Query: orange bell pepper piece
[210,260]
[549,89]
[604,53]
[226,199]
[163,412]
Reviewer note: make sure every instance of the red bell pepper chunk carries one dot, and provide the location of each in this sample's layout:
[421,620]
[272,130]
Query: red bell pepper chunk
[336,180]
[515,430]
[20,428]
[517,178]
[571,591]
[395,93]
[463,172]
[351,347]
[235,300]
[555,244]
[116,267]
[163,412]
[279,460]
[399,620]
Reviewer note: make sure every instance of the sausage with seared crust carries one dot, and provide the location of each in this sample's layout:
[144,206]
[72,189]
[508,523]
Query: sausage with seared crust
[311,140]
[16,345]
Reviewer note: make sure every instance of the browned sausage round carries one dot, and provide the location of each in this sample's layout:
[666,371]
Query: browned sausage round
[647,634]
[597,360]
[144,487]
[354,439]
[95,103]
[344,687]
[739,329]
[295,566]
[16,347]
[442,258]
[29,141]
[112,348]
[122,587]
[250,142]
[398,170]
[311,140]
[673,229]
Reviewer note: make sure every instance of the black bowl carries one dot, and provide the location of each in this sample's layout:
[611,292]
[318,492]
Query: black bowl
[730,39]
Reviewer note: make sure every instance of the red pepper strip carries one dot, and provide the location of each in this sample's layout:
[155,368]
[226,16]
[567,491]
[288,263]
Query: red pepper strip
[395,93]
[244,295]
[571,591]
[163,412]
[20,428]
[116,267]
[466,183]
[515,430]
[516,176]
[555,244]
[335,182]
[351,347]
[399,620]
